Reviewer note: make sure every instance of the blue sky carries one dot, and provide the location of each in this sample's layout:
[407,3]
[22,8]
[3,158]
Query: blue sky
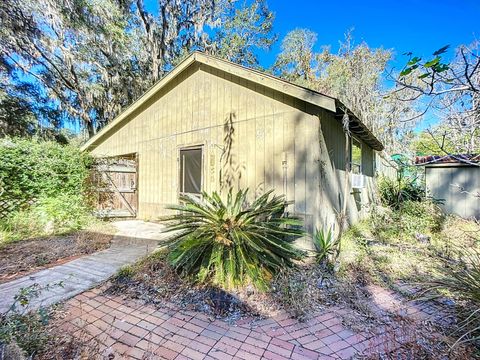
[418,26]
[414,26]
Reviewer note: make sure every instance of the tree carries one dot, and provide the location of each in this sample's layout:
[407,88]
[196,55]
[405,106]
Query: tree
[452,90]
[94,57]
[16,118]
[20,114]
[297,60]
[242,31]
[354,75]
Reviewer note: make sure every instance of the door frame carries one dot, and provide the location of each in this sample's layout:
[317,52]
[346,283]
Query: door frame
[197,145]
[112,187]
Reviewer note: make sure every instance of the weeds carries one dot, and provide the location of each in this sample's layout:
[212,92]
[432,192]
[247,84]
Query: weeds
[21,331]
[462,281]
[394,192]
[410,339]
[23,257]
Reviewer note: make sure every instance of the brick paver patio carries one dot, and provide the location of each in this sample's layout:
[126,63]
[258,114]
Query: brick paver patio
[129,329]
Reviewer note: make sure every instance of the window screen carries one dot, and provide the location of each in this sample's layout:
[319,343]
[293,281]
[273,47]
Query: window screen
[191,171]
[356,156]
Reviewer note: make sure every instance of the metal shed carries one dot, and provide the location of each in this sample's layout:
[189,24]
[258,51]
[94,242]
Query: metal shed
[454,180]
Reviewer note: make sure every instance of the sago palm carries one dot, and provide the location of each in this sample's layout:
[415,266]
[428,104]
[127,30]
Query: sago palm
[231,243]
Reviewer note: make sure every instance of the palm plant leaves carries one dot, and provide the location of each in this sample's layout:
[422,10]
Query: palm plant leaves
[231,242]
[325,244]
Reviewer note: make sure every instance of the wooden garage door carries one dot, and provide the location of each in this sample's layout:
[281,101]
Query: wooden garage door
[116,185]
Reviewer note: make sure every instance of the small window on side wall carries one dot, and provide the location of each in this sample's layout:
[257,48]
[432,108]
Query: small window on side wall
[356,156]
[191,171]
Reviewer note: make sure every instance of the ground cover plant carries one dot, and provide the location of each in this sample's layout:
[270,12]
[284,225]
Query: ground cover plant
[35,334]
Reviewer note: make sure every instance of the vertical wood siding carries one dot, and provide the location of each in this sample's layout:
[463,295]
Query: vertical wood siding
[252,137]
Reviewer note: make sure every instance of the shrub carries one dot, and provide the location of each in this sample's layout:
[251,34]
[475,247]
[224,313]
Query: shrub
[22,329]
[44,185]
[412,219]
[48,216]
[232,243]
[394,192]
[32,169]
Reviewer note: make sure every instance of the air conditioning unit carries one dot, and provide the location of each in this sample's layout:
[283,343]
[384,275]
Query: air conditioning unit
[358,181]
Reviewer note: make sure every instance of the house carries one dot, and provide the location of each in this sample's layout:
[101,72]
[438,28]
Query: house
[213,125]
[453,180]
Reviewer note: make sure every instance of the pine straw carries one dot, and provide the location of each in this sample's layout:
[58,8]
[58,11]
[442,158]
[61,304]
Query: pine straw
[405,338]
[24,257]
[302,291]
[154,281]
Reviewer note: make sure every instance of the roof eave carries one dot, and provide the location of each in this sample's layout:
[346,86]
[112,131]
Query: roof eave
[357,127]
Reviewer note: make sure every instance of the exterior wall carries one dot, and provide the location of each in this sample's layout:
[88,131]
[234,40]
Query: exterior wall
[456,187]
[386,167]
[252,137]
[334,176]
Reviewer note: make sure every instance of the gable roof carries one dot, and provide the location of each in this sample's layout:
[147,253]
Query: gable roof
[258,77]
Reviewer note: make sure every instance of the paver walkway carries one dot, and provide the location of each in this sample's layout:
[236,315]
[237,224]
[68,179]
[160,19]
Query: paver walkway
[133,240]
[127,329]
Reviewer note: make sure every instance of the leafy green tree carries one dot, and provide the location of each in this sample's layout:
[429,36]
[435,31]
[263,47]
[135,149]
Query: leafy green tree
[452,90]
[92,58]
[438,141]
[16,117]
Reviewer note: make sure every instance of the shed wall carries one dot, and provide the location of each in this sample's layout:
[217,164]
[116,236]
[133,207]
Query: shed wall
[455,187]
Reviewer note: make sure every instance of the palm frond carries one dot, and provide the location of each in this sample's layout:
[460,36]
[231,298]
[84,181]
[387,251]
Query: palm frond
[231,242]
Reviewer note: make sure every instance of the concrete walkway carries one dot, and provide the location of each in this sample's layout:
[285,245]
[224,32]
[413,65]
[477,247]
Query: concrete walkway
[133,240]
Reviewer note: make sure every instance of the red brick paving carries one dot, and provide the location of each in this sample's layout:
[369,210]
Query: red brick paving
[132,330]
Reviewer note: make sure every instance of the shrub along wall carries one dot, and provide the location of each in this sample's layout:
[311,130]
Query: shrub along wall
[43,187]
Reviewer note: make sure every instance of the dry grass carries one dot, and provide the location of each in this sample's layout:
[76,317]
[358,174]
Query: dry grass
[405,338]
[391,254]
[24,257]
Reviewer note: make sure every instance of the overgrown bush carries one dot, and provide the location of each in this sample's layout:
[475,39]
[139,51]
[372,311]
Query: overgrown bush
[394,192]
[44,186]
[22,331]
[53,215]
[412,220]
[232,243]
[32,169]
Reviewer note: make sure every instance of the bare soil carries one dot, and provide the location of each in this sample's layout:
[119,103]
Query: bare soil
[24,257]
